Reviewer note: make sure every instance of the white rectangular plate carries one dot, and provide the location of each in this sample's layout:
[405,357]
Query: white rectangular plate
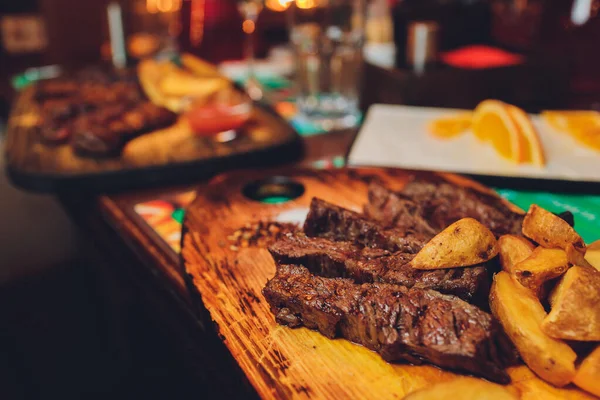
[397,136]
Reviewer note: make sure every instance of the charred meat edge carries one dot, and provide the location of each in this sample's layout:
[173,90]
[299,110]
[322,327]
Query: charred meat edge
[399,323]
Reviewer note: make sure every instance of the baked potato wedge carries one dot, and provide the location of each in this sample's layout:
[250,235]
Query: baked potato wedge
[541,266]
[463,243]
[512,250]
[592,254]
[575,306]
[463,388]
[577,257]
[549,230]
[588,373]
[521,314]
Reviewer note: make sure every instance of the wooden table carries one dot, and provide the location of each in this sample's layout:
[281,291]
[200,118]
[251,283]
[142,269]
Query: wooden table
[118,211]
[149,271]
[144,274]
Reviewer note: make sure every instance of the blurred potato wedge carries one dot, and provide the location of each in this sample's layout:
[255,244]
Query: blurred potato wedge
[198,66]
[549,230]
[521,314]
[167,85]
[463,389]
[513,249]
[588,373]
[180,83]
[541,266]
[463,243]
[575,306]
[592,254]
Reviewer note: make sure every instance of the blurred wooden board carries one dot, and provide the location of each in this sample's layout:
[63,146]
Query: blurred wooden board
[162,157]
[281,362]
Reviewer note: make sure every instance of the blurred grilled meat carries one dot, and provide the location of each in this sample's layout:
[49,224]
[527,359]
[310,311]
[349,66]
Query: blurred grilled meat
[103,132]
[97,110]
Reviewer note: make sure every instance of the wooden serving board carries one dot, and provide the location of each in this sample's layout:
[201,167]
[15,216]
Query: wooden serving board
[278,361]
[166,156]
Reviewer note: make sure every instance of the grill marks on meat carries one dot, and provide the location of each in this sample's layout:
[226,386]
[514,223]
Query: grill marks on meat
[330,259]
[386,305]
[399,323]
[440,204]
[343,259]
[394,210]
[336,223]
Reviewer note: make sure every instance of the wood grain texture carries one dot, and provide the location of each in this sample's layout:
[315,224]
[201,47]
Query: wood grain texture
[281,362]
[174,147]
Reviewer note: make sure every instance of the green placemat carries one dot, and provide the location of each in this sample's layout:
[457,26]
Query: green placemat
[585,208]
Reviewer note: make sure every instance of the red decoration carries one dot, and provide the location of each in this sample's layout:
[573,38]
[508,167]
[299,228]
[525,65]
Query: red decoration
[480,57]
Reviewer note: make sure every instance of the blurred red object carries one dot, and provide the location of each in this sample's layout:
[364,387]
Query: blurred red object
[211,29]
[210,120]
[480,57]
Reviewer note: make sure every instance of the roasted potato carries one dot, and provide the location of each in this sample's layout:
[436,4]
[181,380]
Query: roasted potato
[541,266]
[521,314]
[575,306]
[463,243]
[588,373]
[463,388]
[577,257]
[592,254]
[549,230]
[512,250]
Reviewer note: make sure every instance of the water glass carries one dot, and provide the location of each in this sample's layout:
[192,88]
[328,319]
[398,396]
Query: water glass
[327,37]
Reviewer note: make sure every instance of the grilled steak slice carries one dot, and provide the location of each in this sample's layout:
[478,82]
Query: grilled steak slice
[106,130]
[442,203]
[346,260]
[399,323]
[336,223]
[394,210]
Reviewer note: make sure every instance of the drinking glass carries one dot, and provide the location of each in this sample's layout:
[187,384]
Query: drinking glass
[250,10]
[220,116]
[327,37]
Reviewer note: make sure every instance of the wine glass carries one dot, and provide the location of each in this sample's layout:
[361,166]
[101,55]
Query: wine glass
[250,10]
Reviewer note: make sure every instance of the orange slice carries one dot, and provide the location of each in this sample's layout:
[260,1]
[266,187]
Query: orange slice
[569,121]
[583,126]
[451,126]
[589,138]
[493,122]
[531,146]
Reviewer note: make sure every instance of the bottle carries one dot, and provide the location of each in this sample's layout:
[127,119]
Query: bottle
[211,29]
[570,31]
